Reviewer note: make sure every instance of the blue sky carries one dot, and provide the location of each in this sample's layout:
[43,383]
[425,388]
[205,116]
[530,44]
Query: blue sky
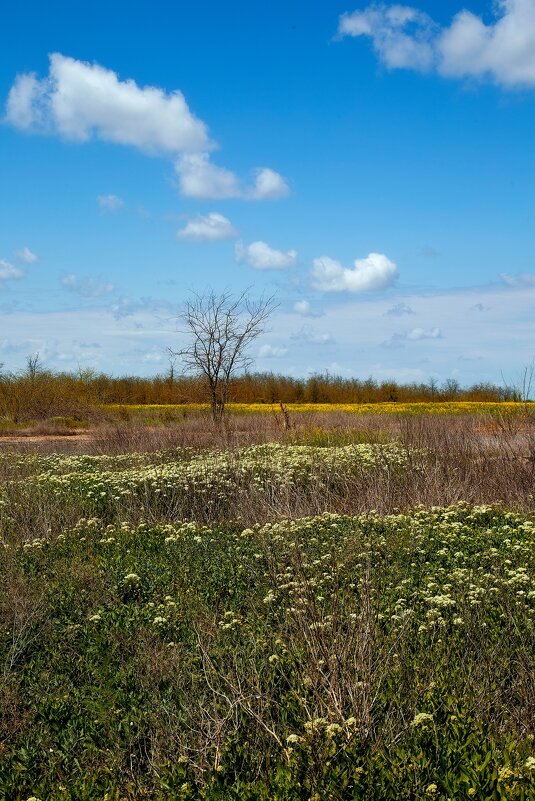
[371,165]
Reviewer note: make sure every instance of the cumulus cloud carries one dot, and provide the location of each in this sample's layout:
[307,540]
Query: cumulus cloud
[404,37]
[207,228]
[87,287]
[520,279]
[261,256]
[200,178]
[26,255]
[398,310]
[504,50]
[268,185]
[272,352]
[81,101]
[304,308]
[109,204]
[374,272]
[8,271]
[401,36]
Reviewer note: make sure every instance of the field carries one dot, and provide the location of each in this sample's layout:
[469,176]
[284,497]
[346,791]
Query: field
[158,411]
[341,609]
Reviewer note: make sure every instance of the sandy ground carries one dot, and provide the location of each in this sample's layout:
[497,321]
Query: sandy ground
[16,438]
[49,441]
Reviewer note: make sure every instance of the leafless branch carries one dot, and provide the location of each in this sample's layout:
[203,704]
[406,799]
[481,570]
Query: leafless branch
[221,329]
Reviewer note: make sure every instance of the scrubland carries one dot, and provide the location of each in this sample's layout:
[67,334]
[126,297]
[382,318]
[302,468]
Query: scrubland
[320,605]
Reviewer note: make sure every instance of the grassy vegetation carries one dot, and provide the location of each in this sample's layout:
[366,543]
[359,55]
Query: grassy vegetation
[342,609]
[329,657]
[153,413]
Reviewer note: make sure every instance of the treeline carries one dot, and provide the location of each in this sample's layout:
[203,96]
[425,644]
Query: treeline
[38,393]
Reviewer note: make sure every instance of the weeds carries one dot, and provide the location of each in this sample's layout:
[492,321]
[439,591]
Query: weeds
[367,657]
[343,614]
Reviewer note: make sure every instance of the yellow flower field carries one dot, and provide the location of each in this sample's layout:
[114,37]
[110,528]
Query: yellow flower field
[440,407]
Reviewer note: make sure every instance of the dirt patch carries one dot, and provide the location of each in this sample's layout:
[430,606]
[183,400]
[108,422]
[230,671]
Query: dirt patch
[30,439]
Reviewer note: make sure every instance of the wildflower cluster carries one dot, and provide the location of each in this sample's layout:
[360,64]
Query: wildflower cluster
[372,656]
[214,477]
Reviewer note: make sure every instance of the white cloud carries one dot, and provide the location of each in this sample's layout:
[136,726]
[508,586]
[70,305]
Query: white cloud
[309,336]
[374,272]
[26,255]
[110,203]
[81,101]
[154,357]
[398,310]
[504,51]
[520,279]
[200,178]
[394,342]
[272,352]
[158,310]
[404,37]
[23,104]
[261,256]
[268,185]
[87,287]
[302,307]
[416,334]
[8,271]
[413,335]
[503,335]
[401,36]
[209,228]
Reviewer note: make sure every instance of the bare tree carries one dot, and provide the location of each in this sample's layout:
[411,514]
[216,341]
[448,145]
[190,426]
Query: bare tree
[33,366]
[221,328]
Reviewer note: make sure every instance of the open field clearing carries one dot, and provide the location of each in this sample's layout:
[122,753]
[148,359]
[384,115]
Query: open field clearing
[302,602]
[277,621]
[478,427]
[84,417]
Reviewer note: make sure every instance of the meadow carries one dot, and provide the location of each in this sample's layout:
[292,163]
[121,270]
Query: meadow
[340,609]
[154,412]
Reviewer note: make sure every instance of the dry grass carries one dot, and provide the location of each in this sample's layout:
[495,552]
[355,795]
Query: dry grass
[232,676]
[473,459]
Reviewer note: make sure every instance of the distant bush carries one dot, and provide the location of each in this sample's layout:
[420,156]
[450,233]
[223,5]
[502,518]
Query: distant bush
[38,393]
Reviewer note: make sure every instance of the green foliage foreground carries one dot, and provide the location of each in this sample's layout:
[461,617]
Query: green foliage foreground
[322,658]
